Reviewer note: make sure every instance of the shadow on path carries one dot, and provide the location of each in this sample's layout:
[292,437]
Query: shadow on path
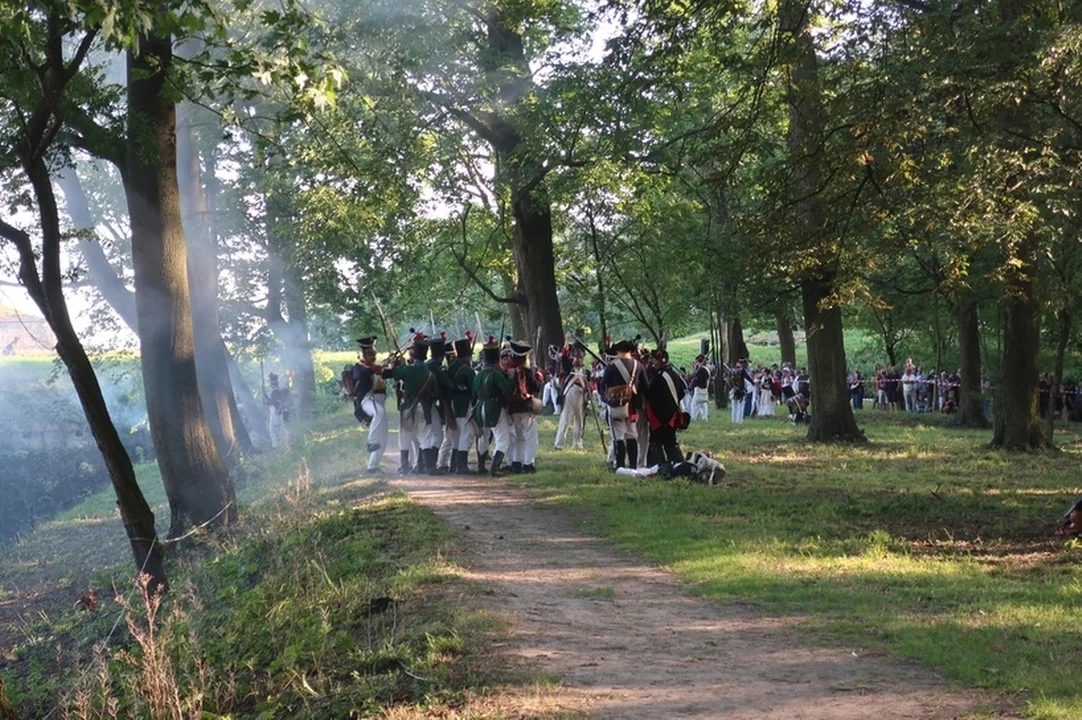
[630,643]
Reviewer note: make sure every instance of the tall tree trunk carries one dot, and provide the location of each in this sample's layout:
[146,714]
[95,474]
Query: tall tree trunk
[937,333]
[285,290]
[47,293]
[536,262]
[832,409]
[247,406]
[1018,421]
[736,348]
[196,481]
[784,319]
[522,173]
[105,278]
[202,284]
[240,425]
[970,407]
[717,333]
[513,311]
[1018,418]
[210,367]
[297,307]
[122,300]
[1065,321]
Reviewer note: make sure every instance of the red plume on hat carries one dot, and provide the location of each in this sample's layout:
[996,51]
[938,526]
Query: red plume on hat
[469,335]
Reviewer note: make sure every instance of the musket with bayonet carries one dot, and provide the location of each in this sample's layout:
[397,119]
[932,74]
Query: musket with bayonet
[585,347]
[391,338]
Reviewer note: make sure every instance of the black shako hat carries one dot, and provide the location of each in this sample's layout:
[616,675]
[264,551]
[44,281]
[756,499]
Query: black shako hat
[464,347]
[438,346]
[624,346]
[367,343]
[490,351]
[419,348]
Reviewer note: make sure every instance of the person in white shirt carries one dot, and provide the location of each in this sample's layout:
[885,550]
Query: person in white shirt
[739,387]
[573,415]
[909,389]
[551,395]
[700,392]
[766,394]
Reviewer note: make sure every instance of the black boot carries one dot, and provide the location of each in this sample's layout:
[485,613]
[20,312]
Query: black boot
[404,468]
[621,453]
[673,453]
[432,461]
[653,455]
[516,468]
[463,462]
[422,466]
[482,460]
[632,453]
[454,462]
[529,469]
[497,461]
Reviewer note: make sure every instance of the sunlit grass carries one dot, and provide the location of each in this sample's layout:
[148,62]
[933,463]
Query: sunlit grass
[332,597]
[923,542]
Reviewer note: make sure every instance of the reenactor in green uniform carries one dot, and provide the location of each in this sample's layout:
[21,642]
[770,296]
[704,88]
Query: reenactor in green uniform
[415,408]
[491,388]
[440,417]
[457,438]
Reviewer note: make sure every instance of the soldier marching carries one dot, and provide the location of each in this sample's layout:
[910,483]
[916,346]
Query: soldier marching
[449,404]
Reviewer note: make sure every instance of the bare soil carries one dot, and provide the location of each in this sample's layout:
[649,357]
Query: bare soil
[629,642]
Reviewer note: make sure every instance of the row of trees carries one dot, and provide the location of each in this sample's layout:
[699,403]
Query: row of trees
[234,172]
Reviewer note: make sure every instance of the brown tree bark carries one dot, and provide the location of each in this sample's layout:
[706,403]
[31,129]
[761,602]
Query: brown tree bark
[536,261]
[521,173]
[38,132]
[1066,320]
[215,390]
[831,406]
[1018,419]
[786,339]
[196,481]
[970,411]
[122,301]
[735,347]
[832,410]
[47,292]
[717,353]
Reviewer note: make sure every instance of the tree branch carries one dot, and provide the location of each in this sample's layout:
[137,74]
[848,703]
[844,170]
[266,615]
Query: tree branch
[28,271]
[487,133]
[515,299]
[80,54]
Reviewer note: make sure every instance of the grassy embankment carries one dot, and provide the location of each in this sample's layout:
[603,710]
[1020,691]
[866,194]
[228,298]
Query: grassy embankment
[332,598]
[921,543]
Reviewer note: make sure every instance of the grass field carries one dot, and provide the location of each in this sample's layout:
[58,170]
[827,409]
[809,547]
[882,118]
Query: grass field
[922,543]
[333,597]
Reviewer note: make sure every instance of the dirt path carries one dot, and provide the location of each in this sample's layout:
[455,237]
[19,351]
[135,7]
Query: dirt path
[629,642]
